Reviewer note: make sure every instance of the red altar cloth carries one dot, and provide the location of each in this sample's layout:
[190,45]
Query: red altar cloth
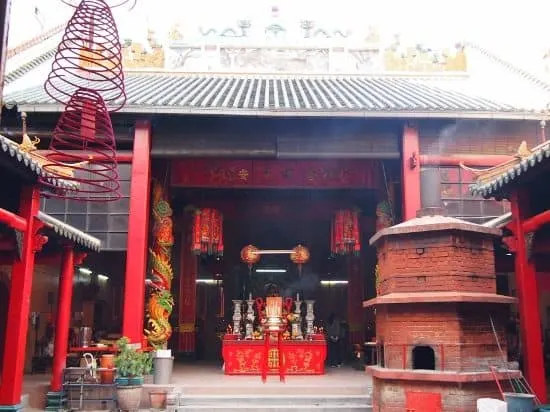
[244,357]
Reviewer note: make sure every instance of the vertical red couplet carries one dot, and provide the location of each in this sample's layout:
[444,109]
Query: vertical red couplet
[63,321]
[531,337]
[410,173]
[138,235]
[187,291]
[13,360]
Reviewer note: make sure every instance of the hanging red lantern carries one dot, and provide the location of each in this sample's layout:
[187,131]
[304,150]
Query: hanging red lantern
[250,255]
[300,256]
[208,232]
[90,55]
[83,151]
[345,236]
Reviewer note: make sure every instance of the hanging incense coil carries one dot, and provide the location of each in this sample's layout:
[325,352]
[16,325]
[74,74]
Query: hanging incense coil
[83,150]
[112,4]
[89,56]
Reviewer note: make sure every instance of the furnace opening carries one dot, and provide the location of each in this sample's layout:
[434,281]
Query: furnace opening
[423,357]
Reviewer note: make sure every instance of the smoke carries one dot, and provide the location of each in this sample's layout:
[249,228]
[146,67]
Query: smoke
[306,284]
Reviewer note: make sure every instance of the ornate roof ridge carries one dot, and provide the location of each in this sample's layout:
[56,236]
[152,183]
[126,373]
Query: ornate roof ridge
[510,66]
[443,75]
[35,40]
[492,182]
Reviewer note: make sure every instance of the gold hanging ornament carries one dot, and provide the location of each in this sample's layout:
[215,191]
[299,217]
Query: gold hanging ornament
[300,256]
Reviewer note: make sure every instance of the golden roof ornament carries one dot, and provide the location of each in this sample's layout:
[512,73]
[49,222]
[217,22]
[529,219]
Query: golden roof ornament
[487,175]
[139,56]
[29,146]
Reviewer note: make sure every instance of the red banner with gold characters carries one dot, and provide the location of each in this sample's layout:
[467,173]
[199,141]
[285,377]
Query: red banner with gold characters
[322,174]
[245,357]
[187,293]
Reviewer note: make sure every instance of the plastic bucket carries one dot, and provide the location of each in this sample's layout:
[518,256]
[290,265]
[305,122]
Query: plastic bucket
[162,370]
[520,402]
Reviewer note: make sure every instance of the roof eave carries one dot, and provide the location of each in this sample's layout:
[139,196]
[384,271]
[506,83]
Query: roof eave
[70,233]
[147,109]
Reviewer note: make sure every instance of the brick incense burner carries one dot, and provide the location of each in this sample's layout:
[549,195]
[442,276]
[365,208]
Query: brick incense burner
[437,298]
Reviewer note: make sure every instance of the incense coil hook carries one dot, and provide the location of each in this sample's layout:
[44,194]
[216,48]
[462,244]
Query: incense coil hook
[89,56]
[83,150]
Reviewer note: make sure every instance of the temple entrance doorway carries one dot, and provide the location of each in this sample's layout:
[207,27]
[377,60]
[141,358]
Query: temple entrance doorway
[279,219]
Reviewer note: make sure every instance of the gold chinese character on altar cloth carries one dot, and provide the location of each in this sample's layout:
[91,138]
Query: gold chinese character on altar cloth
[273,359]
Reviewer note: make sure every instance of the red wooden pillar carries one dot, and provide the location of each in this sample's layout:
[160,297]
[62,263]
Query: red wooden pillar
[529,311]
[63,321]
[138,235]
[410,172]
[13,360]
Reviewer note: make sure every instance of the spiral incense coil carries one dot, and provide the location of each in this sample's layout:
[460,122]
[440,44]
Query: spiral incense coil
[89,56]
[112,4]
[83,149]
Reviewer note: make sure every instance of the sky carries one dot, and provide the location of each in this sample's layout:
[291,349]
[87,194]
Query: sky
[514,29]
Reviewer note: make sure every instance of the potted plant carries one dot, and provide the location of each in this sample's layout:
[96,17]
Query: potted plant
[132,365]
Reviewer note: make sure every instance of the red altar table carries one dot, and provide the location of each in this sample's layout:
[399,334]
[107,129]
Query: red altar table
[302,357]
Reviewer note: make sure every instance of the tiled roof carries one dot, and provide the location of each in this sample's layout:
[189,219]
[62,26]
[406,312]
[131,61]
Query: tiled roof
[510,172]
[71,233]
[273,95]
[9,148]
[35,41]
[29,66]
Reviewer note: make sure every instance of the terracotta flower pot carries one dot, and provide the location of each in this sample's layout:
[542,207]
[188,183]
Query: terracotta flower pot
[129,397]
[108,362]
[158,399]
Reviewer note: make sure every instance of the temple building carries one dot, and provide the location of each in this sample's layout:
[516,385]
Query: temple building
[277,133]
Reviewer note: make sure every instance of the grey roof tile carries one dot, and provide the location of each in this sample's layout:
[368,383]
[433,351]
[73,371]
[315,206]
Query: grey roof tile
[71,233]
[9,148]
[498,186]
[211,93]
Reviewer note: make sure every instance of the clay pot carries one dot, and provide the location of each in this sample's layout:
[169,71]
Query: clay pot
[158,399]
[107,361]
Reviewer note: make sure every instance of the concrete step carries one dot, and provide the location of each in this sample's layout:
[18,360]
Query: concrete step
[271,388]
[275,403]
[275,408]
[282,399]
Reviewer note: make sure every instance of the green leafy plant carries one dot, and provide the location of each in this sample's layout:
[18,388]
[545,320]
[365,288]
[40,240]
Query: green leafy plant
[131,363]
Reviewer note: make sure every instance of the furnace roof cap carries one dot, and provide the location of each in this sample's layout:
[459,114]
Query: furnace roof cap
[434,223]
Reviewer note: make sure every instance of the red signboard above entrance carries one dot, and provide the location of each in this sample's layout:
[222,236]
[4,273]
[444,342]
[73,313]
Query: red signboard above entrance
[291,174]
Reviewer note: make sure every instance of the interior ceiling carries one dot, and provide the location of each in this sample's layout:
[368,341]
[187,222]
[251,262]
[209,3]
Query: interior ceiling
[296,224]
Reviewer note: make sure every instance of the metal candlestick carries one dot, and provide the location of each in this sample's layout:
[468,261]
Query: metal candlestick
[249,328]
[237,316]
[310,317]
[298,315]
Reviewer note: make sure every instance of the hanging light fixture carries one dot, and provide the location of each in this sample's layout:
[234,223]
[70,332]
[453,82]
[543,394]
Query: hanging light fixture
[345,233]
[208,232]
[250,255]
[300,256]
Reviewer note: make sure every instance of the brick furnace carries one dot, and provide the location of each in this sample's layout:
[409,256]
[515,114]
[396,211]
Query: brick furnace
[437,313]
